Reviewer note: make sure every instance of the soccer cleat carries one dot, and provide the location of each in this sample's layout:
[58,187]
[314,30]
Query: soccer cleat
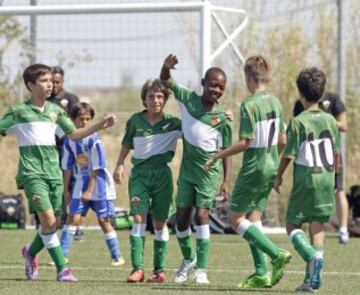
[316,264]
[278,266]
[66,275]
[157,276]
[343,237]
[118,262]
[304,287]
[136,276]
[79,235]
[31,264]
[200,277]
[184,270]
[255,281]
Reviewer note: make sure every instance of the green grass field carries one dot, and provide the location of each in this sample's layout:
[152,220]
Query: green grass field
[230,262]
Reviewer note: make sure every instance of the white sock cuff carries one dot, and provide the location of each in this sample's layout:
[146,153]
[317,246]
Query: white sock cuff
[343,229]
[183,234]
[50,240]
[162,235]
[243,226]
[203,232]
[259,225]
[294,232]
[138,229]
[110,235]
[70,228]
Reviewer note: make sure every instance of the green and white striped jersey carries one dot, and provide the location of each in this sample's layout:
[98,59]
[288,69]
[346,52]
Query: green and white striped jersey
[313,139]
[154,146]
[262,119]
[204,134]
[35,132]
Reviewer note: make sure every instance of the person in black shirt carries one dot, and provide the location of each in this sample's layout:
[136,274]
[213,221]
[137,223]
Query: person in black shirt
[59,96]
[331,103]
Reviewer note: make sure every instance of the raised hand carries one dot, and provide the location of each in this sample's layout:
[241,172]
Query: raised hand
[108,121]
[170,62]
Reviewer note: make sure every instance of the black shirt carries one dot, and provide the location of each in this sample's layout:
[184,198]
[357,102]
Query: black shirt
[330,103]
[65,100]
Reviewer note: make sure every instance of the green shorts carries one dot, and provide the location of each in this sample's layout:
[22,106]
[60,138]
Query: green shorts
[151,189]
[195,195]
[248,199]
[44,195]
[298,218]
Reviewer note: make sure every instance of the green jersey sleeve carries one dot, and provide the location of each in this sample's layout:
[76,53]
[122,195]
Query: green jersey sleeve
[7,121]
[293,139]
[247,122]
[65,123]
[129,134]
[181,93]
[227,134]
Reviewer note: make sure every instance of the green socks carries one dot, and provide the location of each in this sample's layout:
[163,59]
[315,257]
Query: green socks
[257,239]
[52,244]
[184,239]
[36,246]
[302,244]
[137,251]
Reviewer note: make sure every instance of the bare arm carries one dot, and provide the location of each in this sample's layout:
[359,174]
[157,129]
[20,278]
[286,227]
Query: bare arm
[169,64]
[80,133]
[236,148]
[86,196]
[337,162]
[67,178]
[225,186]
[341,122]
[119,173]
[281,142]
[284,163]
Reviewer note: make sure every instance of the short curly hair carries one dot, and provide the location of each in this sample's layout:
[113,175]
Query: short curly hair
[154,85]
[311,83]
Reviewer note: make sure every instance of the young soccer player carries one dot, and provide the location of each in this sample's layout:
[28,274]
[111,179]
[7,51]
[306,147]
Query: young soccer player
[34,123]
[152,135]
[313,143]
[92,187]
[206,129]
[261,138]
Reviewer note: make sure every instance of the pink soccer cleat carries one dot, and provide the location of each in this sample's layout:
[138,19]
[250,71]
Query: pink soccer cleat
[31,264]
[66,275]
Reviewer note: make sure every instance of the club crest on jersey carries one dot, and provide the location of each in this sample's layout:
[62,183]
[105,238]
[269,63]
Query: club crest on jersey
[82,160]
[135,200]
[53,116]
[214,121]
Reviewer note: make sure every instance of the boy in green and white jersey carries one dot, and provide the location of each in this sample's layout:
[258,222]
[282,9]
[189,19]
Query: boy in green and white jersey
[261,138]
[35,123]
[206,129]
[152,135]
[313,144]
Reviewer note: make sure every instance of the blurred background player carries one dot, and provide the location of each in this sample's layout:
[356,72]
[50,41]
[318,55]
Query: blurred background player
[313,144]
[206,129]
[93,187]
[332,104]
[261,138]
[152,135]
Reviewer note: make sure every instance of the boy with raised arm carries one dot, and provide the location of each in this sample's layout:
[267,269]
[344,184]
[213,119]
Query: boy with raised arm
[206,129]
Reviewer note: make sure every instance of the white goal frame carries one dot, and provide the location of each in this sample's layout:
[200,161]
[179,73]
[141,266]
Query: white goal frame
[207,13]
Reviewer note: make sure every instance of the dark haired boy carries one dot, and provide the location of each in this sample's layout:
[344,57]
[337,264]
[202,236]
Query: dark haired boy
[34,122]
[206,129]
[313,144]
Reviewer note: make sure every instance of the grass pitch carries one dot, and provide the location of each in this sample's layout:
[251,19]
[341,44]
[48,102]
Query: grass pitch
[230,262]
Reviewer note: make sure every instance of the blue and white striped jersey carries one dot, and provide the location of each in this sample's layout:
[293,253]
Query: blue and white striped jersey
[82,157]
